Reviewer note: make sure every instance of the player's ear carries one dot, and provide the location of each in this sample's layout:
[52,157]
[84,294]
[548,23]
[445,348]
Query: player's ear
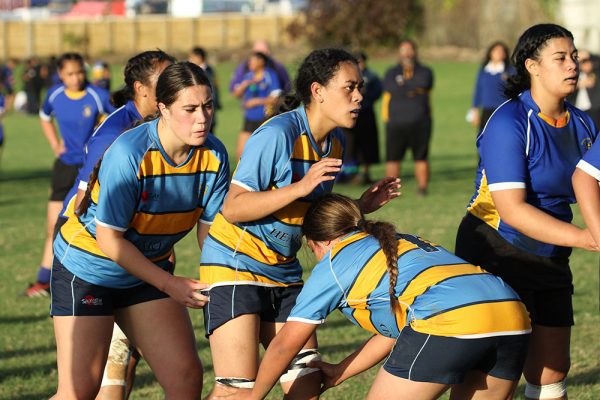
[316,90]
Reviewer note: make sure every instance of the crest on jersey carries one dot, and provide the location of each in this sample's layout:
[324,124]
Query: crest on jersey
[586,143]
[87,111]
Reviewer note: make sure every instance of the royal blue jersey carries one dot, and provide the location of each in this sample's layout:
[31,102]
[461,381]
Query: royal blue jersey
[2,110]
[520,148]
[142,193]
[267,86]
[263,252]
[115,124]
[590,163]
[77,114]
[438,292]
[489,87]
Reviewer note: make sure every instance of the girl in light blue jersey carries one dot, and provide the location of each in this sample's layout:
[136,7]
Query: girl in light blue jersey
[112,259]
[519,221]
[439,320]
[249,257]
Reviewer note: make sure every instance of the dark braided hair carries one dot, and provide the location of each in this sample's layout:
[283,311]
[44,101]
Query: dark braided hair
[530,44]
[334,215]
[140,68]
[319,66]
[171,82]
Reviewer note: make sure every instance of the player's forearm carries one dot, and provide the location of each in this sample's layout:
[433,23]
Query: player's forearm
[49,131]
[368,355]
[245,206]
[587,192]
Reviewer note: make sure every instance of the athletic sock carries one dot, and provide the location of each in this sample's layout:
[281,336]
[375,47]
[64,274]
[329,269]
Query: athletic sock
[43,275]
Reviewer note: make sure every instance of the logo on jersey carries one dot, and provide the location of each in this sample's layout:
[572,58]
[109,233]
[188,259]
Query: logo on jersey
[586,143]
[90,300]
[87,111]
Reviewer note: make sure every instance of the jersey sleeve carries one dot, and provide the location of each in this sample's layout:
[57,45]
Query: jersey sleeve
[94,150]
[503,150]
[275,85]
[106,104]
[47,109]
[265,156]
[219,189]
[590,163]
[119,189]
[319,297]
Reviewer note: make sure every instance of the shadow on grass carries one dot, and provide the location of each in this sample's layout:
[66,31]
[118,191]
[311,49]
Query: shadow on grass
[24,175]
[23,373]
[23,319]
[25,352]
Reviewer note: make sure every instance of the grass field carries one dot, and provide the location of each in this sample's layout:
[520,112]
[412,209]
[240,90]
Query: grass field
[27,349]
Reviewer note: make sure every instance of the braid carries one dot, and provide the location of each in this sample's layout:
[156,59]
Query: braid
[385,234]
[87,198]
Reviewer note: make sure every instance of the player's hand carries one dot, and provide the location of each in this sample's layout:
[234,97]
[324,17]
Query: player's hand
[185,291]
[321,171]
[59,149]
[332,376]
[254,102]
[587,241]
[379,194]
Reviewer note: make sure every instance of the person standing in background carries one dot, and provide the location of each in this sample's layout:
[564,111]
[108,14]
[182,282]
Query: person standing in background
[587,96]
[407,114]
[262,47]
[489,88]
[198,56]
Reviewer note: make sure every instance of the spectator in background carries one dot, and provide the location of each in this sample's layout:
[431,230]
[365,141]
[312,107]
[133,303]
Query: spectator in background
[34,77]
[262,47]
[259,90]
[7,82]
[587,95]
[101,75]
[365,133]
[198,56]
[489,88]
[52,78]
[2,111]
[407,114]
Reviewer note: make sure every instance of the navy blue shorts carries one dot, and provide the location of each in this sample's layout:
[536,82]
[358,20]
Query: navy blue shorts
[63,179]
[439,359]
[272,304]
[72,296]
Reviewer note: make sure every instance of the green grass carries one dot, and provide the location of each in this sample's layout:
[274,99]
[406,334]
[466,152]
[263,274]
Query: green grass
[27,350]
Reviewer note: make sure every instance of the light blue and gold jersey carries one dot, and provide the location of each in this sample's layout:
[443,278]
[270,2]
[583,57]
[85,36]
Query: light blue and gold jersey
[263,252]
[142,193]
[520,148]
[439,293]
[77,114]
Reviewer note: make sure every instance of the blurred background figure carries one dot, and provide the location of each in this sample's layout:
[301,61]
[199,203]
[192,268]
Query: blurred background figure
[587,95]
[34,76]
[259,90]
[489,87]
[101,75]
[365,133]
[2,111]
[262,47]
[198,56]
[7,82]
[407,114]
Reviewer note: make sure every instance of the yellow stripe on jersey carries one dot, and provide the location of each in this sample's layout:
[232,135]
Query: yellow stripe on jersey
[365,283]
[246,243]
[154,164]
[95,194]
[483,206]
[557,123]
[211,274]
[77,236]
[165,224]
[303,149]
[347,241]
[70,209]
[483,318]
[293,213]
[385,106]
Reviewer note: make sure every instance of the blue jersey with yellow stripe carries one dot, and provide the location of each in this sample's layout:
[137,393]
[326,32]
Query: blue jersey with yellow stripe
[520,148]
[143,194]
[116,123]
[76,113]
[439,293]
[263,252]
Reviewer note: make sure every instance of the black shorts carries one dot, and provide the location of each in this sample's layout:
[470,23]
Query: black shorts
[72,296]
[273,304]
[545,284]
[400,137]
[439,359]
[63,178]
[251,126]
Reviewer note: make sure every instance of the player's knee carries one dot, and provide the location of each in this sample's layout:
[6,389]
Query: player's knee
[298,367]
[554,390]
